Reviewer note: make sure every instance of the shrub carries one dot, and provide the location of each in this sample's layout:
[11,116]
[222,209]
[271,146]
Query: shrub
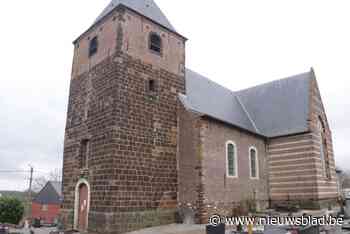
[11,210]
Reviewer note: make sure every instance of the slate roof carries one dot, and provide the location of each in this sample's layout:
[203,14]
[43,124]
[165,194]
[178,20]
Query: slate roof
[207,97]
[50,194]
[147,8]
[57,186]
[273,109]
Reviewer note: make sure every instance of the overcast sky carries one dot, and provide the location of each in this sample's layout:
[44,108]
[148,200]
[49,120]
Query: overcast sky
[235,43]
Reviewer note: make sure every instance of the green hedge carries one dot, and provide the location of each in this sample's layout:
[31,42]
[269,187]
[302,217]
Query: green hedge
[11,210]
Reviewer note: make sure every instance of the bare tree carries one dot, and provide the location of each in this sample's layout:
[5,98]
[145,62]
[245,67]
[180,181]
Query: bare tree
[40,182]
[55,175]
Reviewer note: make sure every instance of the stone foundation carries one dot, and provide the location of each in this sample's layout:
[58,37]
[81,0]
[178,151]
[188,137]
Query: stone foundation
[117,223]
[235,208]
[122,222]
[310,204]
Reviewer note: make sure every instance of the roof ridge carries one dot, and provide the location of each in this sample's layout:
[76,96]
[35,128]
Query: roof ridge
[298,76]
[252,87]
[247,113]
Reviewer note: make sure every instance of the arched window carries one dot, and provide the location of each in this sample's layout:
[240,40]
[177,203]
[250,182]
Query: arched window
[323,149]
[253,163]
[155,43]
[231,159]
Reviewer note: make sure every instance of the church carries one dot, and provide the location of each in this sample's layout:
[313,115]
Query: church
[147,138]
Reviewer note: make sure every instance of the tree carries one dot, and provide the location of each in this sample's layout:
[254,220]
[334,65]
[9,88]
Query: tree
[11,210]
[344,178]
[41,181]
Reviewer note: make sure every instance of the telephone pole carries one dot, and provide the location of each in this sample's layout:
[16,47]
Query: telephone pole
[30,192]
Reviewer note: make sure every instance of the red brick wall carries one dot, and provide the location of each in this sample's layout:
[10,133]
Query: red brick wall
[221,193]
[49,216]
[135,32]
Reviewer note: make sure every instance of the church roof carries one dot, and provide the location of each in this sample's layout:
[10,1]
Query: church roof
[209,98]
[273,109]
[146,8]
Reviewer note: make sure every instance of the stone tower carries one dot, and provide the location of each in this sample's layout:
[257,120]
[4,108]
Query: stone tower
[120,151]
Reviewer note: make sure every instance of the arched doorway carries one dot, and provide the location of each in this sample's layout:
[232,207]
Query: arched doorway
[83,199]
[82,205]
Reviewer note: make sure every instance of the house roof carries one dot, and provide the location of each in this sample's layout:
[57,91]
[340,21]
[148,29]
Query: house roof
[273,109]
[57,186]
[50,194]
[147,8]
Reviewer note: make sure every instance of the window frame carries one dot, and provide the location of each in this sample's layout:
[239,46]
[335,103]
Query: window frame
[256,163]
[235,159]
[150,44]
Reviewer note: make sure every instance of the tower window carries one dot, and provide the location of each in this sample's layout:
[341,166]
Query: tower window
[93,46]
[152,86]
[84,153]
[155,43]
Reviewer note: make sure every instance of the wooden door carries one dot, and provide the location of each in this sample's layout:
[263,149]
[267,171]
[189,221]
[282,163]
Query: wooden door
[83,207]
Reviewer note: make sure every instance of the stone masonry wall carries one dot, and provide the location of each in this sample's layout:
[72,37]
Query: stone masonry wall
[132,165]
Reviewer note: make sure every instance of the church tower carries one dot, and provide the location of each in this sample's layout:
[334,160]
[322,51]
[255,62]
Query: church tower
[120,150]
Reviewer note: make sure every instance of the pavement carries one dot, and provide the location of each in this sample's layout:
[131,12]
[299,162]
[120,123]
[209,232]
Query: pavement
[196,229]
[36,230]
[168,229]
[173,229]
